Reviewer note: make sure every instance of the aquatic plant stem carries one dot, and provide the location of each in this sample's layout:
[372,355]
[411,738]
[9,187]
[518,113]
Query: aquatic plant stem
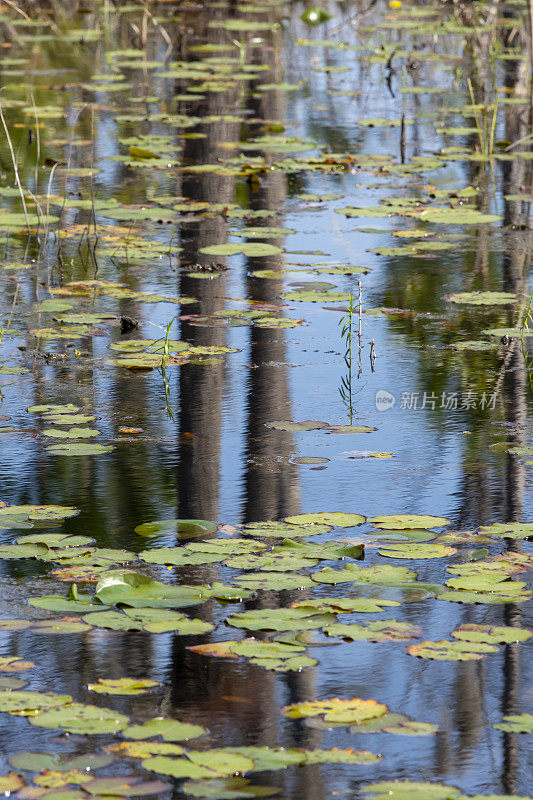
[15,169]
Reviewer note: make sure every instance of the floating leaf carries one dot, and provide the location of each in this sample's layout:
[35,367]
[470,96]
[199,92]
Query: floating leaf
[451,651]
[282,529]
[227,789]
[509,530]
[170,730]
[196,765]
[23,703]
[78,449]
[306,425]
[482,298]
[122,686]
[336,710]
[345,605]
[338,519]
[72,433]
[134,589]
[409,790]
[10,783]
[184,528]
[123,786]
[274,581]
[396,724]
[491,634]
[401,521]
[516,723]
[402,550]
[249,249]
[386,630]
[14,664]
[280,619]
[39,513]
[82,719]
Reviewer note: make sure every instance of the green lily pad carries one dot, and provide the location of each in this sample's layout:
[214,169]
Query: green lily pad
[345,605]
[482,298]
[491,634]
[122,686]
[72,433]
[409,790]
[123,786]
[39,513]
[55,602]
[170,730]
[184,528]
[196,765]
[280,619]
[24,703]
[274,581]
[306,425]
[249,249]
[178,556]
[227,789]
[336,710]
[383,630]
[451,651]
[338,519]
[78,449]
[282,529]
[508,530]
[409,550]
[81,719]
[401,521]
[516,723]
[68,419]
[138,591]
[382,574]
[396,724]
[59,626]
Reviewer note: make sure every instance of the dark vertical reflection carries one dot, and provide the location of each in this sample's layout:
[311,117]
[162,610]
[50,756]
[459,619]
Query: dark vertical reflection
[516,175]
[201,388]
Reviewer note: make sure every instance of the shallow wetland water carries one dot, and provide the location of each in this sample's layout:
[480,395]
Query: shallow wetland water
[265,384]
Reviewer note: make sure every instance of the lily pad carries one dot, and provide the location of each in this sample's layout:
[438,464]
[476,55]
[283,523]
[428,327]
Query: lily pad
[122,686]
[139,591]
[336,710]
[418,550]
[227,789]
[337,519]
[516,723]
[508,530]
[184,528]
[451,651]
[406,521]
[81,719]
[491,634]
[409,790]
[78,449]
[249,249]
[386,630]
[482,298]
[170,730]
[280,619]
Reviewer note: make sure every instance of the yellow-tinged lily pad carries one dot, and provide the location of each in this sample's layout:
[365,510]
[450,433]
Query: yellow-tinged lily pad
[122,686]
[337,519]
[336,710]
[401,521]
[451,651]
